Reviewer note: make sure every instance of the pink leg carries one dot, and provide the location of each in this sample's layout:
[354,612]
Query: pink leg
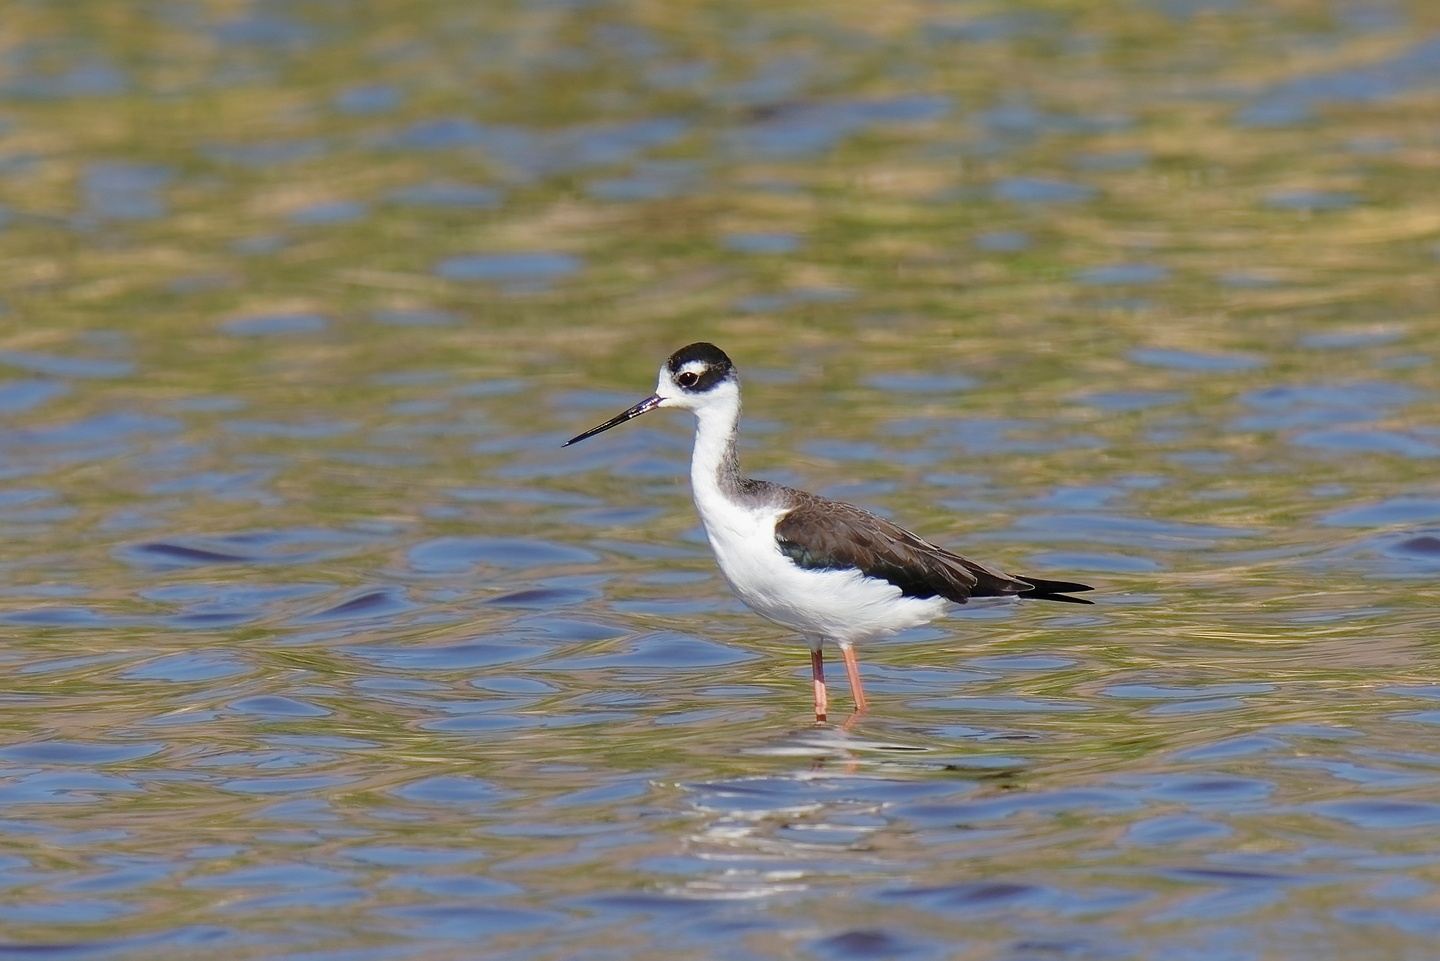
[817,668]
[852,670]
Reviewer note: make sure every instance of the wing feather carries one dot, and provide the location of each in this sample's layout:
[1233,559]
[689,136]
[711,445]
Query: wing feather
[820,534]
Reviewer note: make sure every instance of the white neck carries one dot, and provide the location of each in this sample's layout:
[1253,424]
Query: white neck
[713,467]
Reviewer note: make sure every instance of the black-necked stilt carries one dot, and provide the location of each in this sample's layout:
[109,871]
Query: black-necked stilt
[824,568]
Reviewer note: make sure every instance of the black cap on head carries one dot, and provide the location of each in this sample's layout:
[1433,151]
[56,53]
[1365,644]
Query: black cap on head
[715,366]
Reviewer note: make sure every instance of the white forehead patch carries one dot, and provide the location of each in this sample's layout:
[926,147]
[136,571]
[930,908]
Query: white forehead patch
[693,367]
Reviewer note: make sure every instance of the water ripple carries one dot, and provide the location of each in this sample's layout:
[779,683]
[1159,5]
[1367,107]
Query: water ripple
[317,645]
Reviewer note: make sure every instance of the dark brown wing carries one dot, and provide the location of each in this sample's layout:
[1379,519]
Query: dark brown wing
[819,534]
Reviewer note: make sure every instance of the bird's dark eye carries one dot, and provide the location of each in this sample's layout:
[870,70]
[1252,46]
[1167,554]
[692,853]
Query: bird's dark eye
[687,378]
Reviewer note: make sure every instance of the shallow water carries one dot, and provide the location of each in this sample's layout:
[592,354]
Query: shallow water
[319,646]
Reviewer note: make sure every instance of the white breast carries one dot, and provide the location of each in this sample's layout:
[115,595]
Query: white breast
[840,606]
[836,605]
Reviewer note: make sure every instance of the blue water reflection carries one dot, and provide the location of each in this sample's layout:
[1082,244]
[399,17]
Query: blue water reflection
[319,646]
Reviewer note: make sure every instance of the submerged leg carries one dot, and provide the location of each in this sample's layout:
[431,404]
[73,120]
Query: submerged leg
[817,669]
[852,671]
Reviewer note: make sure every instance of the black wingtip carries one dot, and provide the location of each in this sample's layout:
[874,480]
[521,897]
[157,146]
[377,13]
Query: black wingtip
[1055,597]
[1043,590]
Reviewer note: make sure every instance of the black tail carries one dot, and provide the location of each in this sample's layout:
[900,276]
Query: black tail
[1042,590]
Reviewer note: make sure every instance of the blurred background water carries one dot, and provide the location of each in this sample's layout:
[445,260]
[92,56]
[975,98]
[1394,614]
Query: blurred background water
[317,646]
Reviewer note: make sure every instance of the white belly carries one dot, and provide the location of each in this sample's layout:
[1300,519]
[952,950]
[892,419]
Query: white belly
[836,605]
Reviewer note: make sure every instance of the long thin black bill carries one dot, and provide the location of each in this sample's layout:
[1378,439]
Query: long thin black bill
[649,403]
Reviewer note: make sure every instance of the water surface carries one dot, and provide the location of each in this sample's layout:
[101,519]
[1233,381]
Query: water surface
[319,646]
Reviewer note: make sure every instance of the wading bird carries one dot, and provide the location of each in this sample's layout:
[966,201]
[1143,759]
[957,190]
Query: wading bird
[829,570]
